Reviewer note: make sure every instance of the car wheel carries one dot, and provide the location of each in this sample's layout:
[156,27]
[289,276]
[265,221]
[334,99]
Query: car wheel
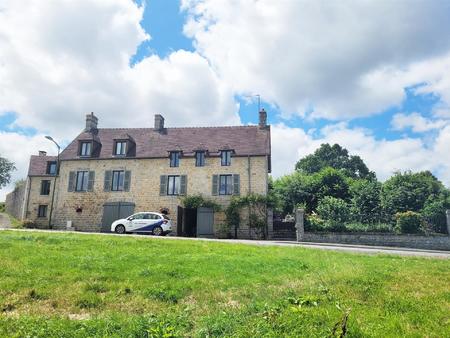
[157,231]
[120,229]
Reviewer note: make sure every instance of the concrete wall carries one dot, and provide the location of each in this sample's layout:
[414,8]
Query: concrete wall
[434,242]
[15,200]
[145,183]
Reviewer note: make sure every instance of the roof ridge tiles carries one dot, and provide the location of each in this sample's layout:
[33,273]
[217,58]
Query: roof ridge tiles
[202,127]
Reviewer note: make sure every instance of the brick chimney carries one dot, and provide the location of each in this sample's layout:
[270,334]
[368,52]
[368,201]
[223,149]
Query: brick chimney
[159,122]
[42,153]
[91,122]
[262,119]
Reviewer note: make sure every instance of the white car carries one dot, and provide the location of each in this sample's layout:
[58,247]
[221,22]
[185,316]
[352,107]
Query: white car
[152,222]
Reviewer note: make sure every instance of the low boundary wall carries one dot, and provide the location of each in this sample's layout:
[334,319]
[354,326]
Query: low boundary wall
[432,242]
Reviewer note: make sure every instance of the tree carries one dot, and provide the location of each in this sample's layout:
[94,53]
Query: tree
[335,157]
[335,212]
[409,191]
[366,201]
[6,167]
[301,188]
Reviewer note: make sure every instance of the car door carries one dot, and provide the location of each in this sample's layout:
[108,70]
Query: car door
[137,222]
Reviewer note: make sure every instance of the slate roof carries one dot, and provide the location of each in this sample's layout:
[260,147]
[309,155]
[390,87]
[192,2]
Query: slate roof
[150,143]
[38,165]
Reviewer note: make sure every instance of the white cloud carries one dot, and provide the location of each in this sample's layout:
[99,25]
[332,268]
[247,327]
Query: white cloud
[416,122]
[18,149]
[344,58]
[60,61]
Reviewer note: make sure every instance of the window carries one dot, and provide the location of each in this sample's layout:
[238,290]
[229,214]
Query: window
[82,181]
[173,185]
[45,187]
[85,148]
[138,216]
[118,178]
[51,168]
[174,158]
[225,157]
[42,211]
[226,185]
[199,158]
[120,148]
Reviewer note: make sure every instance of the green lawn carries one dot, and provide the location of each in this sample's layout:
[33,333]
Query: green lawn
[66,285]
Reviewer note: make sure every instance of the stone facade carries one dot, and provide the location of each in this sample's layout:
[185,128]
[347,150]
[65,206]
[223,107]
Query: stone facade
[141,159]
[85,209]
[35,199]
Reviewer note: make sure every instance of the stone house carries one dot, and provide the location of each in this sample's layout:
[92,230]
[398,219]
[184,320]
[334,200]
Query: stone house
[32,199]
[108,173]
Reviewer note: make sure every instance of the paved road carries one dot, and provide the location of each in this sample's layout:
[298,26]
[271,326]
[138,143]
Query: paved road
[362,249]
[4,221]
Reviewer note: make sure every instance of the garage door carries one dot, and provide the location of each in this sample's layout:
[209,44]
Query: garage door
[113,211]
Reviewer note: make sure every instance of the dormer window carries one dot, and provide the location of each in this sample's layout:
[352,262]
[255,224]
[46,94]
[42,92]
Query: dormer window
[225,157]
[120,148]
[85,149]
[174,157]
[200,159]
[51,168]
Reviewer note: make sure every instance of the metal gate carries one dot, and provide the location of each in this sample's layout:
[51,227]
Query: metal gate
[205,222]
[113,211]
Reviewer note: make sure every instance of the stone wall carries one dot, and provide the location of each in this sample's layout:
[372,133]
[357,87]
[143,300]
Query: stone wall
[433,242]
[15,200]
[35,199]
[144,188]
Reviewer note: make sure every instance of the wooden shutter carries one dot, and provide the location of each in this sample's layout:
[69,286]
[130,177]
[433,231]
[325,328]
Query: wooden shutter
[72,178]
[236,184]
[107,183]
[215,185]
[127,181]
[91,181]
[183,184]
[163,185]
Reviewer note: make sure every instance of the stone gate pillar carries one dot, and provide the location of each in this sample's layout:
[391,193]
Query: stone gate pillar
[299,224]
[447,213]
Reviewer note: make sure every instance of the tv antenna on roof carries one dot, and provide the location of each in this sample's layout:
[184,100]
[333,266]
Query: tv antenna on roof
[259,100]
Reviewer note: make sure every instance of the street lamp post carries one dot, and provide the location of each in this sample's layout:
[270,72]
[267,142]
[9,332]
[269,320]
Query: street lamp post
[54,181]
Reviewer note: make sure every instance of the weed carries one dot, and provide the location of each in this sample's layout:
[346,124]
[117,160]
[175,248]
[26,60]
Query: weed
[89,301]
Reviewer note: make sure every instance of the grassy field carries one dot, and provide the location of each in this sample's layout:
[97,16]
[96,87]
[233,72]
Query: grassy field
[69,285]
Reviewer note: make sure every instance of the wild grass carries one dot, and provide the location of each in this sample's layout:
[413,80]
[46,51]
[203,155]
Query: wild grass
[69,285]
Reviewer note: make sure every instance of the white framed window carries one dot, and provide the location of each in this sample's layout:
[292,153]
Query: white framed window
[120,148]
[173,185]
[225,157]
[225,184]
[85,149]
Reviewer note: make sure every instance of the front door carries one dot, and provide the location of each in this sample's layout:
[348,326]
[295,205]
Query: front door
[205,222]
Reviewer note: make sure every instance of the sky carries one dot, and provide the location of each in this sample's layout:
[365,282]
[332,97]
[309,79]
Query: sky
[373,76]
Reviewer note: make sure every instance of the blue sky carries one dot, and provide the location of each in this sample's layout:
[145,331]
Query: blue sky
[375,79]
[164,21]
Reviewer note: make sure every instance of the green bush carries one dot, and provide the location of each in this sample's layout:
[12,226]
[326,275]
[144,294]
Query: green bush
[409,222]
[335,212]
[314,223]
[365,227]
[434,215]
[2,207]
